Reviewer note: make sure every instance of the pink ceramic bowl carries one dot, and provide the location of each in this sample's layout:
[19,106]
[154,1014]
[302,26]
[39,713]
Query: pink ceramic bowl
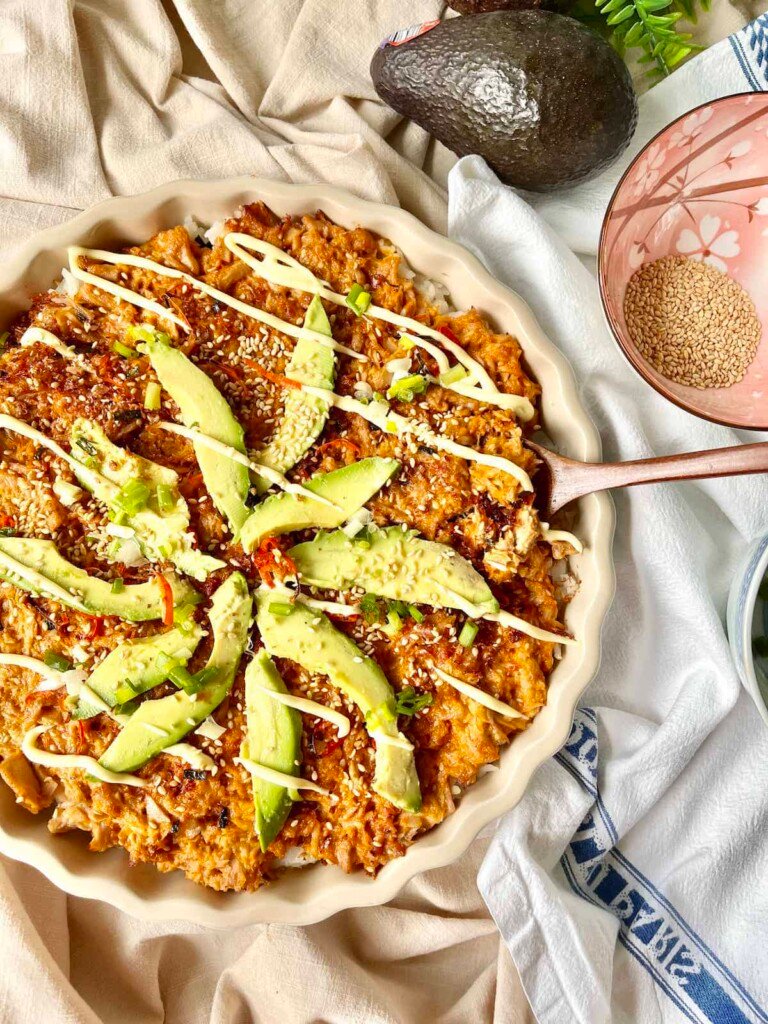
[698,189]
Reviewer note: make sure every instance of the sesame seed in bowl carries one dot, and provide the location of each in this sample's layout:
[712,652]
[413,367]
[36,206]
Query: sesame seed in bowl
[683,257]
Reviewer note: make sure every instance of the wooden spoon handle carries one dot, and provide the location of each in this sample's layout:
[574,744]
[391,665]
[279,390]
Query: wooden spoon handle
[591,477]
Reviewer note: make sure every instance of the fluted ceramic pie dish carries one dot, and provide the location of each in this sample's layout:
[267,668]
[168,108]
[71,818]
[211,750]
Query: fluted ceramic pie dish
[313,893]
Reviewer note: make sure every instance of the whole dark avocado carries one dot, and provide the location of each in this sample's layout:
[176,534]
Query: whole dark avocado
[483,6]
[543,99]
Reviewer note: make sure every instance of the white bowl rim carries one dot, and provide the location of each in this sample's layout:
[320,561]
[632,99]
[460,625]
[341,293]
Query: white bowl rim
[170,897]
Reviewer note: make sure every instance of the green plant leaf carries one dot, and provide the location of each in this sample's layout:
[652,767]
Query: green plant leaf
[645,25]
[634,34]
[622,15]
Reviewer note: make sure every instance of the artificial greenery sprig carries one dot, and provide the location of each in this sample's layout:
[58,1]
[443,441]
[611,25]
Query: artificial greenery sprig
[648,25]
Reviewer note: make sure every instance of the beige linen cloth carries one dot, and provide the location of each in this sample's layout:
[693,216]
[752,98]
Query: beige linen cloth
[104,97]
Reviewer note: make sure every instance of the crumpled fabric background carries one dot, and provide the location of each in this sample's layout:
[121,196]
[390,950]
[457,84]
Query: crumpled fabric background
[100,97]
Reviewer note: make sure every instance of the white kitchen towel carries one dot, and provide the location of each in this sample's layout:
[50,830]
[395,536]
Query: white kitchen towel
[631,882]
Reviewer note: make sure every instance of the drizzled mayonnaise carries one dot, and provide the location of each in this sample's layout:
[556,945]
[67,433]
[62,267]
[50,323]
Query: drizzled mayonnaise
[39,582]
[137,299]
[476,694]
[191,755]
[84,473]
[309,707]
[398,740]
[514,622]
[38,335]
[53,676]
[279,778]
[381,416]
[279,267]
[552,536]
[271,475]
[47,759]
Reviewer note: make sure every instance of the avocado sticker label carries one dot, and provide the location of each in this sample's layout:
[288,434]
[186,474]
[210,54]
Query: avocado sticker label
[405,35]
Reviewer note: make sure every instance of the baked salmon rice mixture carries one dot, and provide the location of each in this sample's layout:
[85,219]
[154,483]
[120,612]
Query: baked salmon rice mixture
[274,589]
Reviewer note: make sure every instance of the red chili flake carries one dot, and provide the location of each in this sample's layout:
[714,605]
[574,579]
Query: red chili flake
[231,371]
[328,736]
[449,335]
[190,485]
[167,597]
[95,628]
[275,378]
[272,562]
[343,441]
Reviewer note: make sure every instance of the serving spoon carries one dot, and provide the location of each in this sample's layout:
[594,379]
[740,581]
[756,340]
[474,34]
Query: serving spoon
[559,480]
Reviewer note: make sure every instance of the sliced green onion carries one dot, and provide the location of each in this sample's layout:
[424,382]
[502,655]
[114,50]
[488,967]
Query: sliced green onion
[55,660]
[409,701]
[363,538]
[415,614]
[132,496]
[164,662]
[205,676]
[398,606]
[125,692]
[358,300]
[165,499]
[183,617]
[407,387]
[468,633]
[117,586]
[88,446]
[281,607]
[128,707]
[371,608]
[454,375]
[124,350]
[152,396]
[394,623]
[4,339]
[141,333]
[7,531]
[183,679]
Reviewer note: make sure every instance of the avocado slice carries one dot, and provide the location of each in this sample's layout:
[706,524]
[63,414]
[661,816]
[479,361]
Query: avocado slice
[308,637]
[161,533]
[348,487]
[136,602]
[397,564]
[203,407]
[157,724]
[304,415]
[273,738]
[541,97]
[136,662]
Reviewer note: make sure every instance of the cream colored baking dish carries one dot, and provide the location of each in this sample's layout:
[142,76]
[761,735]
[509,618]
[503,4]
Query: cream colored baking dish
[312,893]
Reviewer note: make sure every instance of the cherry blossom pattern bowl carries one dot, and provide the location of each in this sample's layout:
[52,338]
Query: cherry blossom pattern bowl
[698,189]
